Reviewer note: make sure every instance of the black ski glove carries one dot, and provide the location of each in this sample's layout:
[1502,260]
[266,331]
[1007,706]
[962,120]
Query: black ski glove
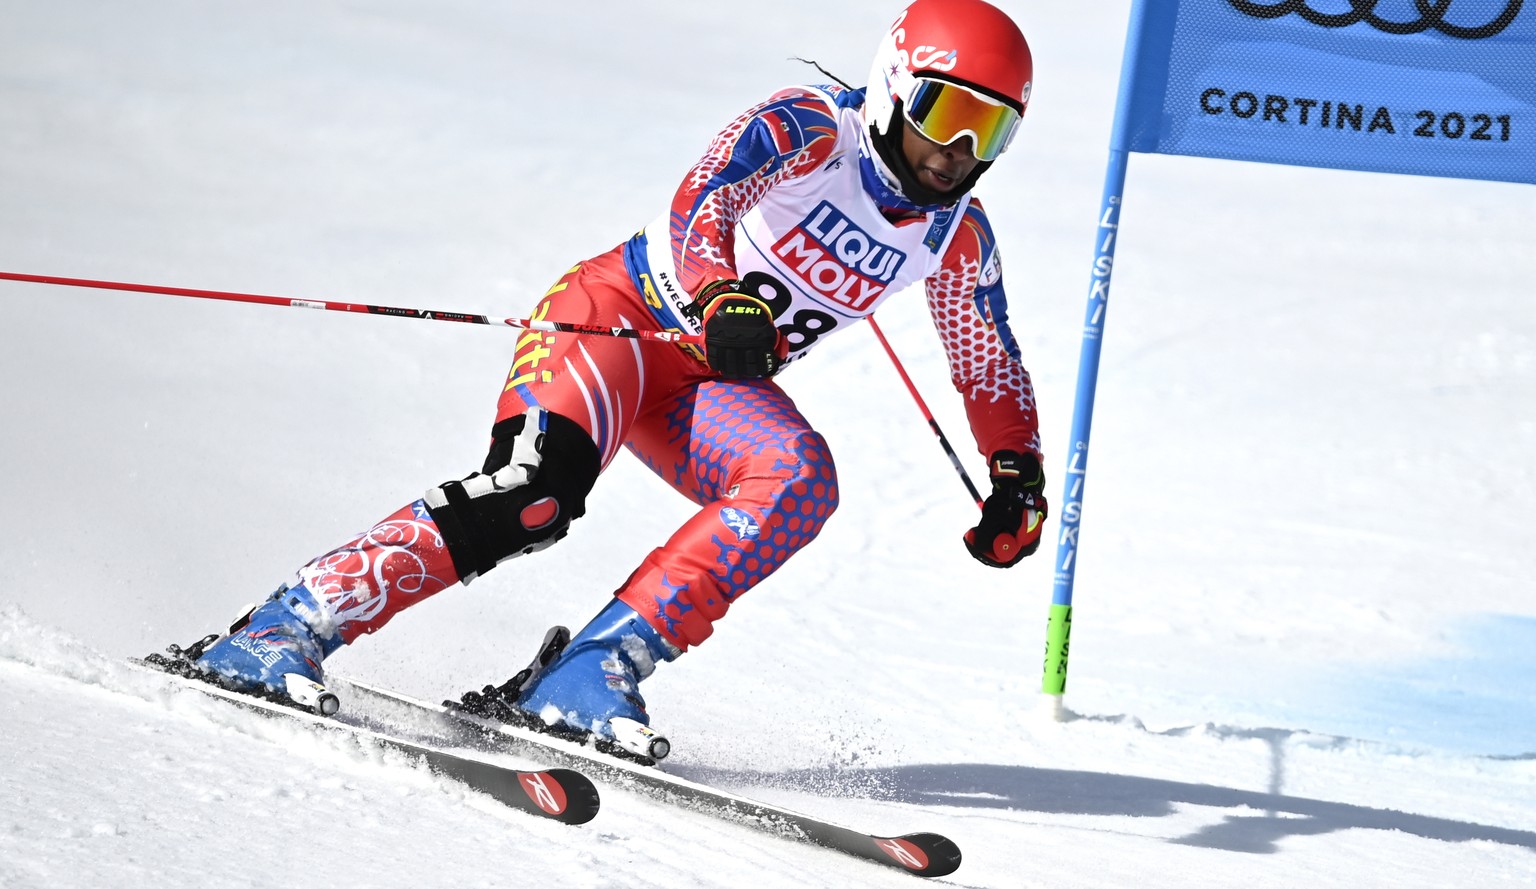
[1014,513]
[740,340]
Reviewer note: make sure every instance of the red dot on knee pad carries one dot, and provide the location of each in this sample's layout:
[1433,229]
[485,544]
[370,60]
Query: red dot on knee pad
[539,514]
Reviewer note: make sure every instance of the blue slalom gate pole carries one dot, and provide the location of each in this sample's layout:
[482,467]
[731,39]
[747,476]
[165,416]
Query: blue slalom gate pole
[1059,626]
[1123,139]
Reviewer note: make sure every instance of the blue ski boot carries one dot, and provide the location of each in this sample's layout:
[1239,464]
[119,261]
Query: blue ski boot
[593,685]
[277,649]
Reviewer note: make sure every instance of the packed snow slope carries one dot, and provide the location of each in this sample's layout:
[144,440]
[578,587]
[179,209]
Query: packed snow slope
[1306,604]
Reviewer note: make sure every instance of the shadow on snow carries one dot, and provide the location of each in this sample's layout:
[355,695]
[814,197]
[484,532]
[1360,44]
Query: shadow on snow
[1275,816]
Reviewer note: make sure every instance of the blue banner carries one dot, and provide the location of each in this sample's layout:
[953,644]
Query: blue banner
[1428,87]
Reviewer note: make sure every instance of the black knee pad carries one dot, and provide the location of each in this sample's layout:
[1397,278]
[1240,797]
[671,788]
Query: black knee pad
[535,482]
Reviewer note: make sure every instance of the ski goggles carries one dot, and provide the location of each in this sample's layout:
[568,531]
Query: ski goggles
[943,112]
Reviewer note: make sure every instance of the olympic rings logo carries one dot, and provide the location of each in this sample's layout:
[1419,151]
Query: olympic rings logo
[1431,15]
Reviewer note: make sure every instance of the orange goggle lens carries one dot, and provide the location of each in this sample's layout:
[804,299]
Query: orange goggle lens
[943,112]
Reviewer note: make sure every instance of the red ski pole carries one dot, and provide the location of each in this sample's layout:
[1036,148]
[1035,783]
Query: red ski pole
[927,414]
[662,336]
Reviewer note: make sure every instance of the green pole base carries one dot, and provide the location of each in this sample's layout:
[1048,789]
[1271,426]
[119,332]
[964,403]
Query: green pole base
[1058,637]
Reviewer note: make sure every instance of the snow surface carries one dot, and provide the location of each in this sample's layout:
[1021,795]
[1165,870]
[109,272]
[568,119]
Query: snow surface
[1306,607]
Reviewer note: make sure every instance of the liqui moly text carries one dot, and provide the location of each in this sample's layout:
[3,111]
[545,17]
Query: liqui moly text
[837,259]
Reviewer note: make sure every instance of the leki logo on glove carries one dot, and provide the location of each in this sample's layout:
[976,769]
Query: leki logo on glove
[1431,14]
[837,259]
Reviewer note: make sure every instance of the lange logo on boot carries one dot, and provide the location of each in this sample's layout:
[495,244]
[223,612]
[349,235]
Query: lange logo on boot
[257,648]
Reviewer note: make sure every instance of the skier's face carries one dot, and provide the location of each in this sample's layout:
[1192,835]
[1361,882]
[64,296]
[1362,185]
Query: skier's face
[938,167]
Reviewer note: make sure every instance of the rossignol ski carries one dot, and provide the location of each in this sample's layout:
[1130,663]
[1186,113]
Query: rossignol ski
[560,794]
[923,854]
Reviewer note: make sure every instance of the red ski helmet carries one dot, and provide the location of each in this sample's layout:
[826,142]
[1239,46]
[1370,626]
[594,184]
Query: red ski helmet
[948,69]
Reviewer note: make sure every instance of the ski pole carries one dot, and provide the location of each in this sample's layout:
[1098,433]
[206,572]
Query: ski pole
[927,414]
[663,336]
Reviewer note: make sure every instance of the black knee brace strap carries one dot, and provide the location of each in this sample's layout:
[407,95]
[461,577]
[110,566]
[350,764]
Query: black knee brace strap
[485,522]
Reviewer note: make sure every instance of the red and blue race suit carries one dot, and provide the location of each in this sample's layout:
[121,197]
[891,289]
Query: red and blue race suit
[781,200]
